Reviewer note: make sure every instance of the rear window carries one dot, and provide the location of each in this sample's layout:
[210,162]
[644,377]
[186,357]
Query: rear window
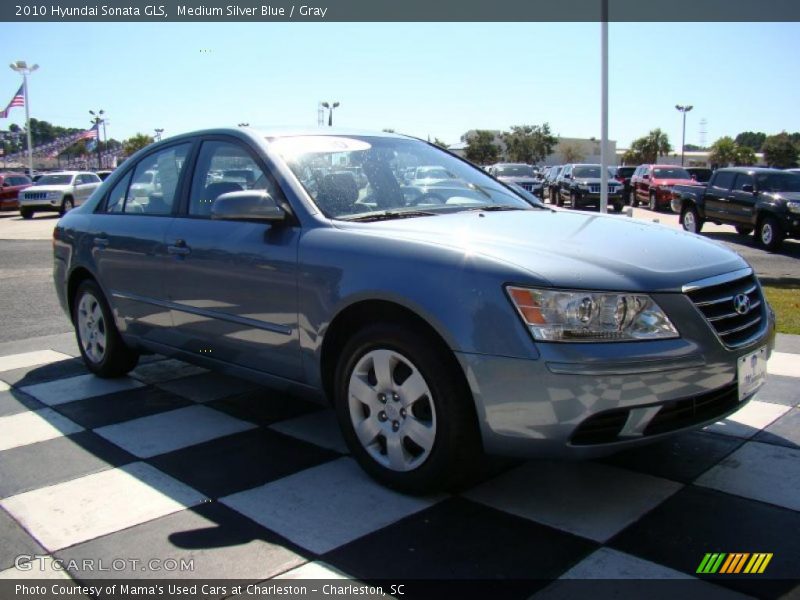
[724,180]
[671,173]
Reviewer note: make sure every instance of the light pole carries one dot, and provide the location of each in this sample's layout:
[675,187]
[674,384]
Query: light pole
[159,131]
[604,107]
[330,108]
[22,67]
[683,110]
[98,118]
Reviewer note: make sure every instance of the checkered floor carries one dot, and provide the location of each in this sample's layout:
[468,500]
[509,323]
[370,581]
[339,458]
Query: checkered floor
[177,462]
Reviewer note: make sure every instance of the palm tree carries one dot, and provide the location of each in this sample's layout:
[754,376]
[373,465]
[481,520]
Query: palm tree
[658,144]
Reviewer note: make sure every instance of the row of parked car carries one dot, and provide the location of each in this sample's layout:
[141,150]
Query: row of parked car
[47,192]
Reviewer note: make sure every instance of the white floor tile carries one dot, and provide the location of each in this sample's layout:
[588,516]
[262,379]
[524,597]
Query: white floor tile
[31,359]
[207,387]
[749,420]
[588,499]
[38,568]
[34,426]
[320,428]
[782,363]
[4,387]
[607,563]
[759,471]
[61,391]
[326,506]
[82,509]
[314,570]
[168,431]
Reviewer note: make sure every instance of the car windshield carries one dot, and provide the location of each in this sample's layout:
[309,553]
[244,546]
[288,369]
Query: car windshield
[515,171]
[354,177]
[55,180]
[701,175]
[778,182]
[671,173]
[433,173]
[587,171]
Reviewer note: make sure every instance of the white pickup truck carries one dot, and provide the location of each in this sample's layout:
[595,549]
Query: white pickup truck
[58,192]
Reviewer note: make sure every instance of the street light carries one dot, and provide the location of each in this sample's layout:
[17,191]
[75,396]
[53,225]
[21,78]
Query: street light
[22,67]
[98,118]
[159,131]
[330,108]
[684,110]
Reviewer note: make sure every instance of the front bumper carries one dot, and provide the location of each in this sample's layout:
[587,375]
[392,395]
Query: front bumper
[638,391]
[41,204]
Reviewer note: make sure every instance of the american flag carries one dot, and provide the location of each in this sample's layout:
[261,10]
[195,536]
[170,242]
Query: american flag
[89,134]
[17,100]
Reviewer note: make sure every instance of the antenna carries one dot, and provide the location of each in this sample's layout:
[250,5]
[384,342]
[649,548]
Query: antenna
[703,132]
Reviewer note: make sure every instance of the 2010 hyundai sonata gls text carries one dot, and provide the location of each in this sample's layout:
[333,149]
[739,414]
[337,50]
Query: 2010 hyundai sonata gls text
[440,319]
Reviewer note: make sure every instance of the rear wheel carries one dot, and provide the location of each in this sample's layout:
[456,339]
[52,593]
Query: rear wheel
[404,409]
[653,205]
[67,204]
[742,230]
[26,213]
[573,199]
[691,219]
[99,341]
[770,234]
[632,199]
[559,199]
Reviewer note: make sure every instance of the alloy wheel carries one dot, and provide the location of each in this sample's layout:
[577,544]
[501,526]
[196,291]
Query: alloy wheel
[92,328]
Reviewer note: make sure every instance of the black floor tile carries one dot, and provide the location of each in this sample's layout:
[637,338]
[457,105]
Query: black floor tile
[14,401]
[679,533]
[14,541]
[783,432]
[44,373]
[458,539]
[681,458]
[219,542]
[53,461]
[121,406]
[241,461]
[264,407]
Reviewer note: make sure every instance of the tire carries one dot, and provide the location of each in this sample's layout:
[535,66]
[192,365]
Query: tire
[742,230]
[441,419]
[67,204]
[769,234]
[559,199]
[618,207]
[573,200]
[653,204]
[633,200]
[26,213]
[102,349]
[690,219]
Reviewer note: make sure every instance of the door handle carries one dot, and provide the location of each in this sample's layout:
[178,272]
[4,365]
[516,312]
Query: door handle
[100,242]
[179,248]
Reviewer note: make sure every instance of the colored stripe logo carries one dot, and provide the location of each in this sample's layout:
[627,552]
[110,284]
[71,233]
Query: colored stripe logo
[734,563]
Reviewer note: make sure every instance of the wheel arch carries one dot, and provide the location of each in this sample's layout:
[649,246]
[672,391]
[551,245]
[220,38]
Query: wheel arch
[76,277]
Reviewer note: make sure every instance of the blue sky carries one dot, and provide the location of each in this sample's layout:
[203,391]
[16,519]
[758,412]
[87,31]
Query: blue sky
[436,79]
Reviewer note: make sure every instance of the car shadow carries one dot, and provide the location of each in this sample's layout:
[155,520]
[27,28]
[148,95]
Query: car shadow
[788,248]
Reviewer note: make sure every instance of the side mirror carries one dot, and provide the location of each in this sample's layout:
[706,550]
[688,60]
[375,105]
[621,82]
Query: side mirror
[748,187]
[248,205]
[567,176]
[645,176]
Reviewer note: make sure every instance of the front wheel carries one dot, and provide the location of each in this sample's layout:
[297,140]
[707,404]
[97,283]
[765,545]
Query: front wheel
[770,234]
[634,202]
[405,410]
[653,205]
[101,346]
[573,200]
[26,213]
[691,219]
[67,204]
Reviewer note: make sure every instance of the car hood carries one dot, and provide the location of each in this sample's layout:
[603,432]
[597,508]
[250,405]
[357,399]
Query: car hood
[570,249]
[595,181]
[48,188]
[516,179]
[672,181]
[791,196]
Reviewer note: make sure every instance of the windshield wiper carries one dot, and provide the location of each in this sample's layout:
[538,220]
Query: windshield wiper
[388,215]
[497,207]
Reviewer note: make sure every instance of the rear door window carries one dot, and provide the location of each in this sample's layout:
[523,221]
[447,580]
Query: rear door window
[724,180]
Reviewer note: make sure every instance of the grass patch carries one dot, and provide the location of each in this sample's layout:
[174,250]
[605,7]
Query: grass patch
[785,301]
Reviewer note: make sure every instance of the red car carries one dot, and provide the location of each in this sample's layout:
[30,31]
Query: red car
[10,186]
[653,184]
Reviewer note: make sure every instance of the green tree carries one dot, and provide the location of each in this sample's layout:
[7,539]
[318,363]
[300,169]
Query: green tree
[648,148]
[440,143]
[723,152]
[529,143]
[572,153]
[136,143]
[745,156]
[780,151]
[481,148]
[632,157]
[751,139]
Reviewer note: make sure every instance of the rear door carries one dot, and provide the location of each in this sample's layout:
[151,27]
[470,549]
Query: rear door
[128,247]
[717,196]
[85,184]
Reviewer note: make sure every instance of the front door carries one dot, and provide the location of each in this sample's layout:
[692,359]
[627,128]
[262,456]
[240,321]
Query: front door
[743,202]
[232,285]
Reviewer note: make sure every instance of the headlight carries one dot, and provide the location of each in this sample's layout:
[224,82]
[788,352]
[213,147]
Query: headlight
[794,207]
[574,316]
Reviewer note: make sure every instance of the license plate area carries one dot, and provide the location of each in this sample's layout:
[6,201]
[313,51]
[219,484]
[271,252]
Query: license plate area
[751,370]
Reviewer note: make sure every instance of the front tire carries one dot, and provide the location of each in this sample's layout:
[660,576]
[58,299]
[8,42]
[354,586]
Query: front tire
[634,202]
[653,205]
[573,200]
[770,235]
[26,213]
[67,204]
[102,349]
[405,410]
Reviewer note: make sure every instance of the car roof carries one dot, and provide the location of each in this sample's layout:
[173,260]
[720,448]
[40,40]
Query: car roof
[750,170]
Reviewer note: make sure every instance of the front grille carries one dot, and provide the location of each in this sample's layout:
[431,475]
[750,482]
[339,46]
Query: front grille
[595,189]
[719,303]
[699,409]
[35,195]
[526,186]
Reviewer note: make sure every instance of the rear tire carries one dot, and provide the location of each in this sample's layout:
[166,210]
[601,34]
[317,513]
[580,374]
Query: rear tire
[770,235]
[67,204]
[559,199]
[690,219]
[102,349]
[633,200]
[26,213]
[418,435]
[573,200]
[653,205]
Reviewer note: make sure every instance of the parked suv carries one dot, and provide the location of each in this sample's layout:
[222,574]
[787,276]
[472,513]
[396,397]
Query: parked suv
[11,184]
[580,184]
[653,184]
[58,192]
[522,174]
[550,183]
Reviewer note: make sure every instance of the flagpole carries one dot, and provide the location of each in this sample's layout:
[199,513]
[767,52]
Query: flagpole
[22,67]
